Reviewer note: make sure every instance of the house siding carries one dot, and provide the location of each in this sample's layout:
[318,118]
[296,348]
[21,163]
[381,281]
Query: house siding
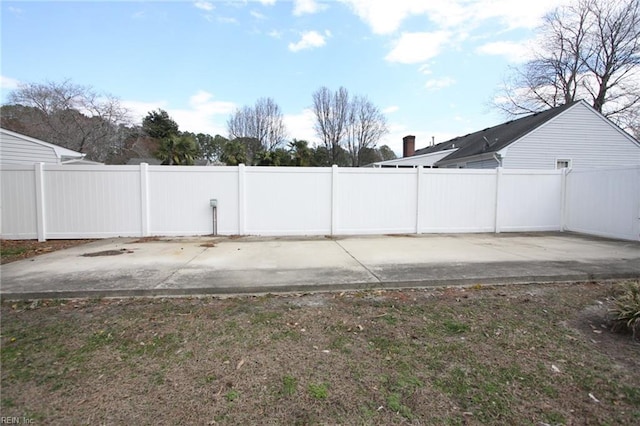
[14,150]
[580,135]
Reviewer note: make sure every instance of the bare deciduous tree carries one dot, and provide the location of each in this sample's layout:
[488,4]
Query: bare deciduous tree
[332,115]
[589,50]
[70,115]
[357,123]
[263,122]
[365,126]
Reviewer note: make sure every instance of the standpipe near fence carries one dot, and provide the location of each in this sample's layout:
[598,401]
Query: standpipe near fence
[64,202]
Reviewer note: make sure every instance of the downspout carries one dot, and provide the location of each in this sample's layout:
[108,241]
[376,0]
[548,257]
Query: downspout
[498,158]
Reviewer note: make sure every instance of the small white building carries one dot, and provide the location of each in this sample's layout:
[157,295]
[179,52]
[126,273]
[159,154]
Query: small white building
[16,148]
[573,135]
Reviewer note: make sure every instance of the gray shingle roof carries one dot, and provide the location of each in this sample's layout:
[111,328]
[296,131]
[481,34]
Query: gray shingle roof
[493,139]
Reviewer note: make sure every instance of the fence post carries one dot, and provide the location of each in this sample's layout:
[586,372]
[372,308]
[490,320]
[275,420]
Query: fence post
[563,199]
[419,180]
[497,211]
[144,199]
[40,204]
[334,199]
[241,199]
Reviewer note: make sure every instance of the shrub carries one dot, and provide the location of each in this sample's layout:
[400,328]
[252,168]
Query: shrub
[626,310]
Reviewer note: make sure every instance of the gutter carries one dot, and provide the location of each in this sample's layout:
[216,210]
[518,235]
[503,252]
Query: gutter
[477,157]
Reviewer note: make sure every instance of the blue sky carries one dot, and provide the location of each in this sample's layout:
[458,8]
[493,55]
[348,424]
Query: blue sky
[432,66]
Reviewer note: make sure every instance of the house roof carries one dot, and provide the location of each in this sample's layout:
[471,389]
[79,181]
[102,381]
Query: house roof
[425,160]
[493,139]
[62,153]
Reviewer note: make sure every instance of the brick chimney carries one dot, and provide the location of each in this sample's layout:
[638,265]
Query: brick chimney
[408,146]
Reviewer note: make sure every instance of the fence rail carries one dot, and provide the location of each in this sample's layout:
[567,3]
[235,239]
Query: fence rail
[58,202]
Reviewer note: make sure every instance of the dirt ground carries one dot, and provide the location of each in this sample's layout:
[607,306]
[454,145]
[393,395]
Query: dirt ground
[528,354]
[12,250]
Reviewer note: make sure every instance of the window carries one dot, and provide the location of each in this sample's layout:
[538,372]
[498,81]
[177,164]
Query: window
[563,164]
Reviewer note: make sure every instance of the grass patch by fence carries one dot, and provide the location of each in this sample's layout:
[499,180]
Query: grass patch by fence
[505,355]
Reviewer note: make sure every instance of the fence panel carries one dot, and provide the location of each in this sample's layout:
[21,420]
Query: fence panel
[179,200]
[604,202]
[91,202]
[18,202]
[457,200]
[288,201]
[530,200]
[376,201]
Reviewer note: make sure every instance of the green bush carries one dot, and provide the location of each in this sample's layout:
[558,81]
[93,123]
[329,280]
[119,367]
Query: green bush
[626,310]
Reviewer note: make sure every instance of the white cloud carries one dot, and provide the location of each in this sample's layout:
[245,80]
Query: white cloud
[300,126]
[204,114]
[515,14]
[275,34]
[204,5]
[391,109]
[309,40]
[226,20]
[513,51]
[139,109]
[439,83]
[301,7]
[257,15]
[386,17]
[425,69]
[8,83]
[413,48]
[267,2]
[450,22]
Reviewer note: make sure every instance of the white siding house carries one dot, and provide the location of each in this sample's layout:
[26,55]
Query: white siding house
[572,135]
[16,148]
[579,138]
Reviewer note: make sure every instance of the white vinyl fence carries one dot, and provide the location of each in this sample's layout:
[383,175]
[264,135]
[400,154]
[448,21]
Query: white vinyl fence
[58,202]
[604,202]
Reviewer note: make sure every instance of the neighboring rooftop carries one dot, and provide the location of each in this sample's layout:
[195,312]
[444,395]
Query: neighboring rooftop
[494,138]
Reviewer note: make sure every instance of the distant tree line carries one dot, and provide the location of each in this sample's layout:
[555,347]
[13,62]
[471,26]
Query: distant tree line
[79,118]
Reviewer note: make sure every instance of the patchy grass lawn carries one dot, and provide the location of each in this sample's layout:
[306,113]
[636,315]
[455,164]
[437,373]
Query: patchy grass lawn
[12,250]
[540,354]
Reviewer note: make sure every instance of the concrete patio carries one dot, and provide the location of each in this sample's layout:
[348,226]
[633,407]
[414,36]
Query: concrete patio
[226,265]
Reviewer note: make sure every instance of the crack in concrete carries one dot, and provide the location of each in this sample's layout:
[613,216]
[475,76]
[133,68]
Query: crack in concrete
[358,261]
[171,275]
